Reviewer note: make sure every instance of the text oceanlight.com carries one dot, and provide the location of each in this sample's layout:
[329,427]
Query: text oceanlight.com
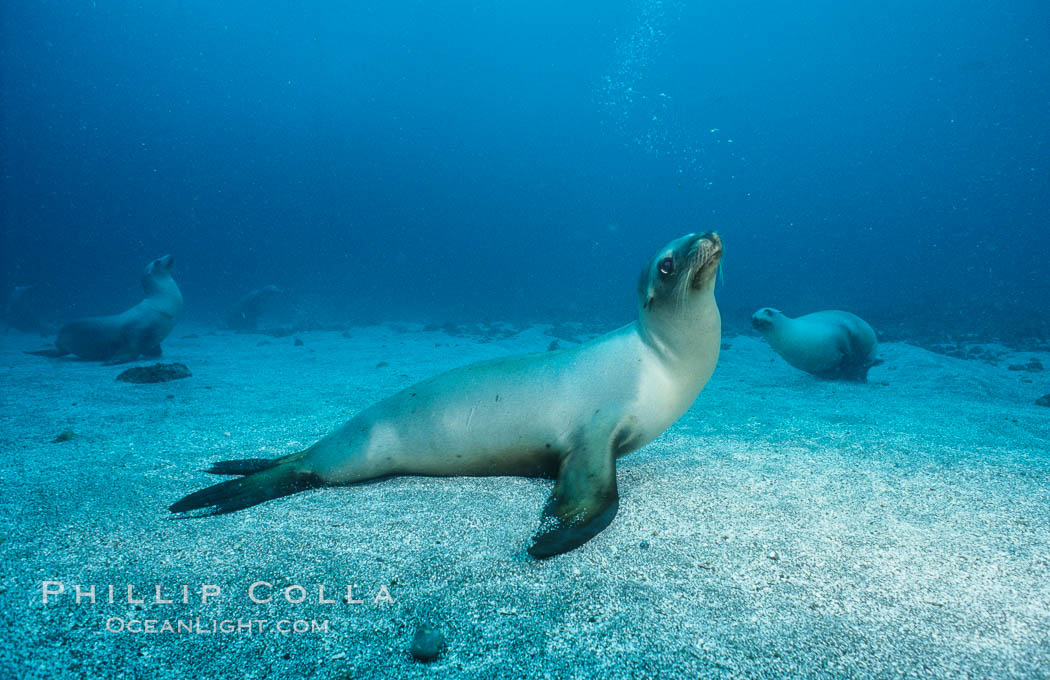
[198,626]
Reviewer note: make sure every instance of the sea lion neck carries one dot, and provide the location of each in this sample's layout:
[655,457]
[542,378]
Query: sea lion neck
[684,341]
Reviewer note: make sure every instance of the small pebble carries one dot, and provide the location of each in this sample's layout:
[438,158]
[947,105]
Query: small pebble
[644,545]
[427,644]
[774,556]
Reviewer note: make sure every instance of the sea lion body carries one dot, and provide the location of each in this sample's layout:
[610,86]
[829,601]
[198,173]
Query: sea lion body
[831,344]
[514,415]
[567,414]
[133,333]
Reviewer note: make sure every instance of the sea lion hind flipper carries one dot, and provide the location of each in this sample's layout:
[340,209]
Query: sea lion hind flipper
[244,466]
[236,494]
[53,353]
[249,466]
[584,501]
[121,359]
[857,369]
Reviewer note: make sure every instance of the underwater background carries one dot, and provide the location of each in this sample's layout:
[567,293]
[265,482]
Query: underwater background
[359,196]
[478,160]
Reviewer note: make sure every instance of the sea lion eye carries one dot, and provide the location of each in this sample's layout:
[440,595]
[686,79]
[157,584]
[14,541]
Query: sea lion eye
[666,266]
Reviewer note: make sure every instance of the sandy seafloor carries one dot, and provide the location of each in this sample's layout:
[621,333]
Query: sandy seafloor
[784,527]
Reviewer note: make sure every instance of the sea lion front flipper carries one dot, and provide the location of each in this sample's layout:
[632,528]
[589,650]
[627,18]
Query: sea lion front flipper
[584,500]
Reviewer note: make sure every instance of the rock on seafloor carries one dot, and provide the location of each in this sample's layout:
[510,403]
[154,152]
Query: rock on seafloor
[1043,400]
[155,373]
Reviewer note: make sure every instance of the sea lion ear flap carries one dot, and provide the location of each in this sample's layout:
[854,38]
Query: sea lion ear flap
[645,290]
[584,500]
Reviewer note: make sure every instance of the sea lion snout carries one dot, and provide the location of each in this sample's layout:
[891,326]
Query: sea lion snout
[709,244]
[706,256]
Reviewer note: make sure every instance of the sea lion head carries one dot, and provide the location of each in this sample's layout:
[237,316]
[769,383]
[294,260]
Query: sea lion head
[160,267]
[681,274]
[157,272]
[765,319]
[676,298]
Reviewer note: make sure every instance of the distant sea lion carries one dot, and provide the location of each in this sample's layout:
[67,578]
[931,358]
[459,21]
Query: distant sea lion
[130,334]
[21,313]
[245,315]
[831,344]
[567,414]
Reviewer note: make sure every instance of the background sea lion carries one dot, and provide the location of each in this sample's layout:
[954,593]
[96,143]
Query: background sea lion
[830,344]
[21,311]
[568,413]
[245,314]
[130,334]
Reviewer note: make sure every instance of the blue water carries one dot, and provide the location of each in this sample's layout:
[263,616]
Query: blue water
[475,160]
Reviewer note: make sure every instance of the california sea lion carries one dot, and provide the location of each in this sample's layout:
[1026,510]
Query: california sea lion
[567,414]
[132,333]
[20,312]
[245,315]
[831,344]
